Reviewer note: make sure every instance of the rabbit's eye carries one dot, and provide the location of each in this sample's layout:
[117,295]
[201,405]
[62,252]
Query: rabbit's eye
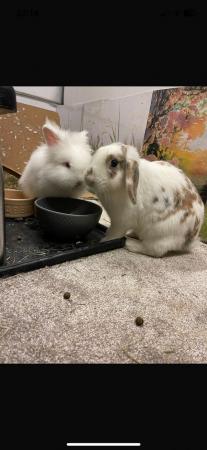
[66,164]
[114,163]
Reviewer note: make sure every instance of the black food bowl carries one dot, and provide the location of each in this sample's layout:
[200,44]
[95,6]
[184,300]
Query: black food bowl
[67,218]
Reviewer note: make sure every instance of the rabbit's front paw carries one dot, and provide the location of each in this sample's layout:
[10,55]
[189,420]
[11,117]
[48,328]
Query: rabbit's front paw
[134,245]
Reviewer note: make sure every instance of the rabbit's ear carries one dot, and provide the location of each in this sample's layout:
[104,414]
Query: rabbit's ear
[132,179]
[51,137]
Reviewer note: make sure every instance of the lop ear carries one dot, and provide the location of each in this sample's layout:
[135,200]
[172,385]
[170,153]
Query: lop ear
[132,179]
[51,137]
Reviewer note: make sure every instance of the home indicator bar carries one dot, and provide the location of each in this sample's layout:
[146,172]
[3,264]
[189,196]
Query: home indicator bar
[101,444]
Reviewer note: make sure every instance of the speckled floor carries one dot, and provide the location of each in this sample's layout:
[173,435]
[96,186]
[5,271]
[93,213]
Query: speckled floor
[97,324]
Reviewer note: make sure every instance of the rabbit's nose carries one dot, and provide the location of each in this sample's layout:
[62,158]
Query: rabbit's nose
[90,176]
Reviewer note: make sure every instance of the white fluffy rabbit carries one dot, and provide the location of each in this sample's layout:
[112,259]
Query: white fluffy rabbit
[152,202]
[57,168]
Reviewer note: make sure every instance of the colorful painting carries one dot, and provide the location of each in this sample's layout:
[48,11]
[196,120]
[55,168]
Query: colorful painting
[177,130]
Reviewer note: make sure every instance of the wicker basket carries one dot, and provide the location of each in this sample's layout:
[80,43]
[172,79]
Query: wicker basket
[17,205]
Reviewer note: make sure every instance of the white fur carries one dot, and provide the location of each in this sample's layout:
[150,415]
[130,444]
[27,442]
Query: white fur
[45,174]
[152,232]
